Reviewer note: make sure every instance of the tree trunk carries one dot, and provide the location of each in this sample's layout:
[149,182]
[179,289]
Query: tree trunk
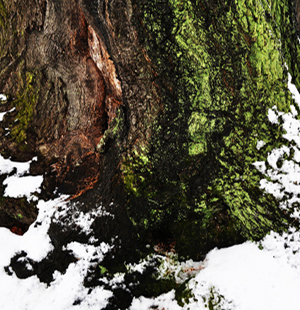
[155,105]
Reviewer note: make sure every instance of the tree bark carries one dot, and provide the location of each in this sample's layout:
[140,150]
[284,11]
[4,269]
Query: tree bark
[155,105]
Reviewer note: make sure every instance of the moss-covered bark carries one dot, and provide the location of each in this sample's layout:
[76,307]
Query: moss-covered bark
[220,67]
[159,103]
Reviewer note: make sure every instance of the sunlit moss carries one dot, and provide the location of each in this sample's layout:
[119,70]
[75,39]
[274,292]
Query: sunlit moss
[224,63]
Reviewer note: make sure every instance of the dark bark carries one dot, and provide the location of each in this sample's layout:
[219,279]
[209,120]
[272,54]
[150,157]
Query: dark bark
[155,105]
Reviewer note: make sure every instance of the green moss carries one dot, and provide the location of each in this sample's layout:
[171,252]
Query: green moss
[3,10]
[280,13]
[136,182]
[25,102]
[103,270]
[3,14]
[19,209]
[114,130]
[220,68]
[215,301]
[183,295]
[3,32]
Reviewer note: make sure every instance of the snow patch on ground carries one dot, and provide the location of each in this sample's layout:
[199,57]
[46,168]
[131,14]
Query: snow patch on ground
[19,185]
[22,186]
[7,166]
[166,301]
[241,277]
[87,252]
[64,291]
[253,278]
[82,219]
[36,235]
[67,288]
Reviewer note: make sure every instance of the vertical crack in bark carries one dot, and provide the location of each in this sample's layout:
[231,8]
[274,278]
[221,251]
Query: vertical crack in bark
[101,94]
[106,66]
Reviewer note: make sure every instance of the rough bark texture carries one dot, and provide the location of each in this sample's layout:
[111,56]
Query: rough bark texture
[155,105]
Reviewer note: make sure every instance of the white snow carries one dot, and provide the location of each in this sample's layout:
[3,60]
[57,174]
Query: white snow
[22,186]
[292,128]
[248,278]
[88,252]
[36,235]
[19,185]
[3,113]
[272,115]
[284,174]
[293,89]
[7,166]
[30,293]
[166,301]
[261,166]
[252,278]
[81,219]
[2,116]
[260,144]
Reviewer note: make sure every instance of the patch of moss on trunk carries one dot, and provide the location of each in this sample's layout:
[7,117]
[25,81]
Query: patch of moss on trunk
[220,68]
[3,14]
[25,103]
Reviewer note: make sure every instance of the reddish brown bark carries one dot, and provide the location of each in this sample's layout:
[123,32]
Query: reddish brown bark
[78,93]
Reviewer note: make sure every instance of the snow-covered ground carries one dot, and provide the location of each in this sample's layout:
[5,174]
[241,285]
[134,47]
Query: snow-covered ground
[30,293]
[18,184]
[250,276]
